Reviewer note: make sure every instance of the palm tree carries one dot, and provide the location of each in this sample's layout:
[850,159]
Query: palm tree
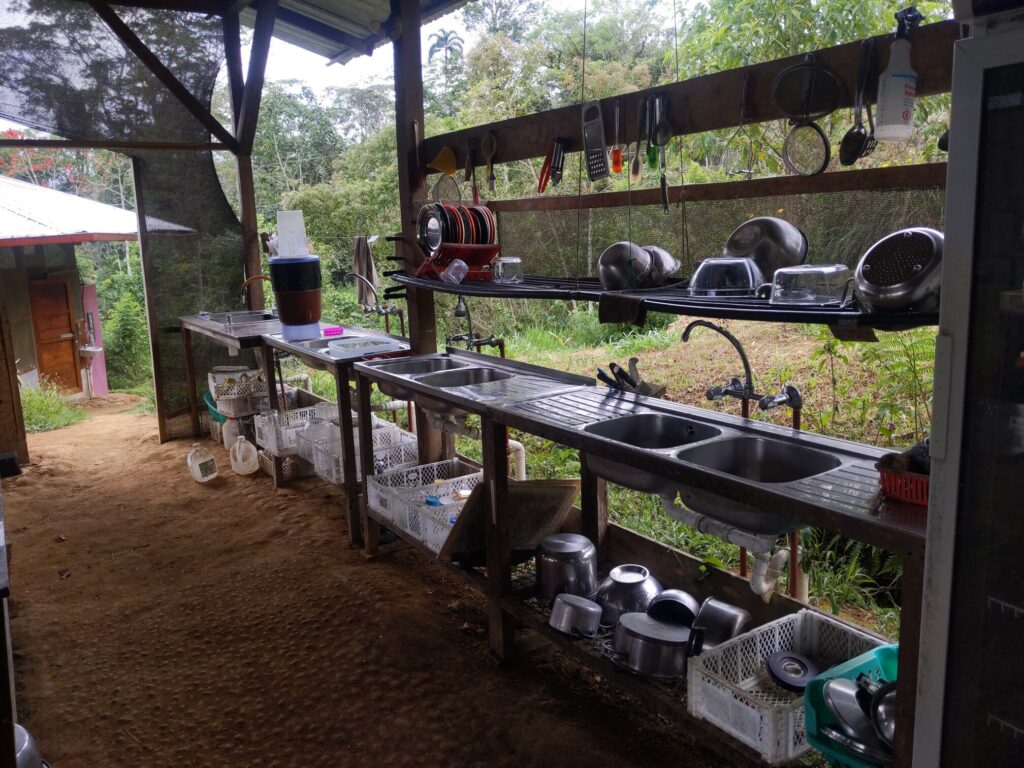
[444,41]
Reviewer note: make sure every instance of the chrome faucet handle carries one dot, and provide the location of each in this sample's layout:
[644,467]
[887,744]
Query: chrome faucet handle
[790,396]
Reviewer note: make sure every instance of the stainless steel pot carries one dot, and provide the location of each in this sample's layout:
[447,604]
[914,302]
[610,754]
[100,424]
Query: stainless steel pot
[627,588]
[625,265]
[771,242]
[566,562]
[674,607]
[721,622]
[901,271]
[26,751]
[653,648]
[575,615]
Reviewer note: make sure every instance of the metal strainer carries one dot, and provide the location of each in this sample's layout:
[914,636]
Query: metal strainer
[901,271]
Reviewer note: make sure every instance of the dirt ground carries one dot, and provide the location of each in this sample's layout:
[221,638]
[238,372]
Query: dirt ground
[159,622]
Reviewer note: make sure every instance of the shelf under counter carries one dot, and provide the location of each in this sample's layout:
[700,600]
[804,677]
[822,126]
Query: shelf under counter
[675,300]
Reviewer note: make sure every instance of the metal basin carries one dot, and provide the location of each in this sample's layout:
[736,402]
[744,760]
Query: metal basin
[413,368]
[653,431]
[761,460]
[460,377]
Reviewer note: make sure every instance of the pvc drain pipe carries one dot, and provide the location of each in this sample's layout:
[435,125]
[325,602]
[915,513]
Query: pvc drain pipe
[448,424]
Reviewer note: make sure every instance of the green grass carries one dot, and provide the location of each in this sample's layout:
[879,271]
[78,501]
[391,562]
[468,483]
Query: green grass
[145,391]
[45,408]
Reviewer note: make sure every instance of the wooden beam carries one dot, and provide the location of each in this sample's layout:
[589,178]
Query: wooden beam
[174,146]
[895,177]
[706,103]
[263,31]
[232,30]
[164,75]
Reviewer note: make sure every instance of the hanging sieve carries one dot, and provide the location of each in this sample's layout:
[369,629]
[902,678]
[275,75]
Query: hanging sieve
[807,91]
[806,150]
[901,271]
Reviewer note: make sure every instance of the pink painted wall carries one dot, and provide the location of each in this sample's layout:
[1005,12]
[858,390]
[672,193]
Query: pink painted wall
[90,304]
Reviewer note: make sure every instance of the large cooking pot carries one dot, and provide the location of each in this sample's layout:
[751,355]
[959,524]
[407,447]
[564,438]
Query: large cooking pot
[653,648]
[566,562]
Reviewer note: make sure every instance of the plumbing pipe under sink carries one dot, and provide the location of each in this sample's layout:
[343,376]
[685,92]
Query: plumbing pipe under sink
[448,424]
[767,567]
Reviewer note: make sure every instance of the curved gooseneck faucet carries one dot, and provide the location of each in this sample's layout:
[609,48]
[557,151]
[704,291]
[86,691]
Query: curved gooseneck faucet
[719,392]
[368,284]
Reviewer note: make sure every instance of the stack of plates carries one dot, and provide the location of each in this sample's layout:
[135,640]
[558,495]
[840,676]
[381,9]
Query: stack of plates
[447,223]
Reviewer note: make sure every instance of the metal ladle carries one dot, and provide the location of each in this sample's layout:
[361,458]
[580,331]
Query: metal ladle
[856,139]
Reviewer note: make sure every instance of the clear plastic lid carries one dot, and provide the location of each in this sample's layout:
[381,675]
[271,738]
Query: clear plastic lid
[810,284]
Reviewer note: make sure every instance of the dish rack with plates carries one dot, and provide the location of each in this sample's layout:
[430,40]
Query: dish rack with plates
[277,431]
[730,687]
[447,232]
[399,497]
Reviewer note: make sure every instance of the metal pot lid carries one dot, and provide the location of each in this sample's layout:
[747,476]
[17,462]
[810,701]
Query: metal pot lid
[642,626]
[565,544]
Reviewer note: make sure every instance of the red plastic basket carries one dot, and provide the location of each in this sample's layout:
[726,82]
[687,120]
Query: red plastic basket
[898,484]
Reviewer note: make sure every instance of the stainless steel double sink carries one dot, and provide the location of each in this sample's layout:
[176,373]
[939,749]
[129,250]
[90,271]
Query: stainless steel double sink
[755,458]
[440,372]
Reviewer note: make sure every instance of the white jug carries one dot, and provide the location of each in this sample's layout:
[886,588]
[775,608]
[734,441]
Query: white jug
[229,433]
[244,459]
[201,464]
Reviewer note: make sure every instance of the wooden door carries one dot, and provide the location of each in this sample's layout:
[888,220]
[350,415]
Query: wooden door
[54,326]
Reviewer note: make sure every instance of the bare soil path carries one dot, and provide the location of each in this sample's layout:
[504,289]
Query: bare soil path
[158,622]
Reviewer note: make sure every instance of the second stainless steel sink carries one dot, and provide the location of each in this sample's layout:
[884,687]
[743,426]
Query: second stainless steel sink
[652,431]
[761,460]
[413,368]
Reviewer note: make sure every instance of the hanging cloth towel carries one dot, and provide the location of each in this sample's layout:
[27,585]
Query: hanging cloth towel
[362,265]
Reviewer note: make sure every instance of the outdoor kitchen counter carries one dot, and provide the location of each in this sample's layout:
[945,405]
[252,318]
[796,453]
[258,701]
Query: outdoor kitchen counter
[233,337]
[843,501]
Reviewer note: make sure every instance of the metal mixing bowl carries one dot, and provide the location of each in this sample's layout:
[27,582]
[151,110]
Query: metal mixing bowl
[625,265]
[771,242]
[627,589]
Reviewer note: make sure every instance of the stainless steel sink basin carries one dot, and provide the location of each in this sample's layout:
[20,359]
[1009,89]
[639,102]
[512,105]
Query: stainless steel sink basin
[653,431]
[463,377]
[761,460]
[459,377]
[351,346]
[413,368]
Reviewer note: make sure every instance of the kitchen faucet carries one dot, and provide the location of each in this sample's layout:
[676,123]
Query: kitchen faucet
[377,308]
[734,387]
[790,395]
[469,337]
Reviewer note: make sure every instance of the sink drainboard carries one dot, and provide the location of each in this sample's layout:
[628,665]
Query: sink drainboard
[580,407]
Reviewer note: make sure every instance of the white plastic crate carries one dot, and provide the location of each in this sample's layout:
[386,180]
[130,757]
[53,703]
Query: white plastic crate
[234,381]
[729,686]
[242,406]
[277,432]
[400,496]
[392,448]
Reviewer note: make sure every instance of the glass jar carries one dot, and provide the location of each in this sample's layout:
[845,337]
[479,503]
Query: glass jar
[507,269]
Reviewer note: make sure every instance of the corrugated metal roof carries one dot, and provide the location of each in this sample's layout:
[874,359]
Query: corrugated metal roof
[31,215]
[340,30]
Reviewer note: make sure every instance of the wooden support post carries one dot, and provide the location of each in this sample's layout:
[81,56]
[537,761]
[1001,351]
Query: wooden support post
[190,381]
[499,553]
[243,160]
[252,93]
[8,708]
[408,114]
[593,505]
[349,460]
[371,530]
[912,595]
[270,375]
[12,422]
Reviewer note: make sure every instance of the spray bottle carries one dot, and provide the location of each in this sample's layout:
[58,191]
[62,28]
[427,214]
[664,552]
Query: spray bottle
[897,85]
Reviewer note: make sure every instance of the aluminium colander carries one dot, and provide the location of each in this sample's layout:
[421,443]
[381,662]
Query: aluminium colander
[902,271]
